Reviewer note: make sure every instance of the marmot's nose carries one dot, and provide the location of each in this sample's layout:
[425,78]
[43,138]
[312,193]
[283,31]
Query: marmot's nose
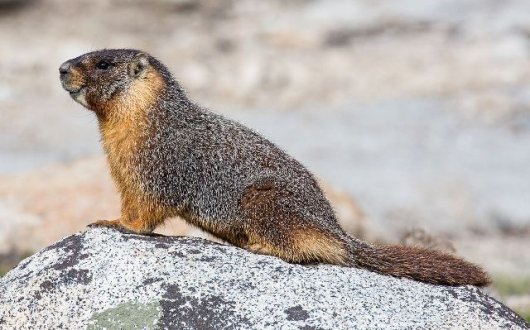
[65,67]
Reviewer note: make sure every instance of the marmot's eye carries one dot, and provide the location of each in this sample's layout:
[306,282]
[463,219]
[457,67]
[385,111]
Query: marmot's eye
[103,65]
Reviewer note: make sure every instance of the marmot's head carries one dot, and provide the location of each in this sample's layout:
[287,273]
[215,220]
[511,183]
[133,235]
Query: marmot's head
[114,81]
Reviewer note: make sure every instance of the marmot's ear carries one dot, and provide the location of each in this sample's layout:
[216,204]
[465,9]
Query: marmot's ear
[138,65]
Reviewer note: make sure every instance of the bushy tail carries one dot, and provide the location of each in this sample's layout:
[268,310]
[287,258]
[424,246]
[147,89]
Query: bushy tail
[416,263]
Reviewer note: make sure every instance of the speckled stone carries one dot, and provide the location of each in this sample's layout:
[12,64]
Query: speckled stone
[106,279]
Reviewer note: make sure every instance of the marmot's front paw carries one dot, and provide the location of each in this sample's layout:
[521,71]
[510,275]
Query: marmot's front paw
[114,224]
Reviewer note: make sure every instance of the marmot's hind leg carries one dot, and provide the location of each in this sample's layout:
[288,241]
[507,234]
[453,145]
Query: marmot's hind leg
[273,229]
[300,246]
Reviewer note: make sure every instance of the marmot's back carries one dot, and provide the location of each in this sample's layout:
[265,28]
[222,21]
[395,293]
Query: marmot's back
[226,159]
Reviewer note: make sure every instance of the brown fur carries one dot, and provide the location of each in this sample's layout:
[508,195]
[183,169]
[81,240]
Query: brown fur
[421,264]
[275,230]
[123,128]
[133,103]
[239,186]
[281,232]
[316,245]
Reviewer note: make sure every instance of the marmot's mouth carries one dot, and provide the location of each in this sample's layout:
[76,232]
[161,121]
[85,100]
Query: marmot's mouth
[71,88]
[78,95]
[75,92]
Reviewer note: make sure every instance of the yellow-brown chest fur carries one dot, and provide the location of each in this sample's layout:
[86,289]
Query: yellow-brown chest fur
[125,128]
[121,142]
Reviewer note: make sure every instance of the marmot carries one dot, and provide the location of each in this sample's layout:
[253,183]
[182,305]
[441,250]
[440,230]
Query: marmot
[171,157]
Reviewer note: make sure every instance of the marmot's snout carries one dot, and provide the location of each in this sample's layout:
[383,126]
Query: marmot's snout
[68,79]
[64,71]
[64,68]
[72,81]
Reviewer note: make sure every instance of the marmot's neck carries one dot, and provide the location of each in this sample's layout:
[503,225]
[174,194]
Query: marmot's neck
[136,101]
[148,105]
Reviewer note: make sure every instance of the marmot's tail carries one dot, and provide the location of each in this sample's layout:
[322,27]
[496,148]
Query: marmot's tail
[416,263]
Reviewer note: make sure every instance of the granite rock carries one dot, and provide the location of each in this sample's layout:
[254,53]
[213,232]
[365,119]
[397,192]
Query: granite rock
[103,278]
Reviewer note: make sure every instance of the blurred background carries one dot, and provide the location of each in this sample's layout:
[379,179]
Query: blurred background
[415,114]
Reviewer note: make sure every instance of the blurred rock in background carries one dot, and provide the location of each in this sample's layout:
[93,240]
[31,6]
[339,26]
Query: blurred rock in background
[418,109]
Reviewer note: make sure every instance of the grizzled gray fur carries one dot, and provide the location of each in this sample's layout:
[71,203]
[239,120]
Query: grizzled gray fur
[171,157]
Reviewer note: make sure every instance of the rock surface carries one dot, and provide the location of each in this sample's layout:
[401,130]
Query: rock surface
[105,279]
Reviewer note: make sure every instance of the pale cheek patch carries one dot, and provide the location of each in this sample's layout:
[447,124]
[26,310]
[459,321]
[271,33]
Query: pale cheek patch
[81,99]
